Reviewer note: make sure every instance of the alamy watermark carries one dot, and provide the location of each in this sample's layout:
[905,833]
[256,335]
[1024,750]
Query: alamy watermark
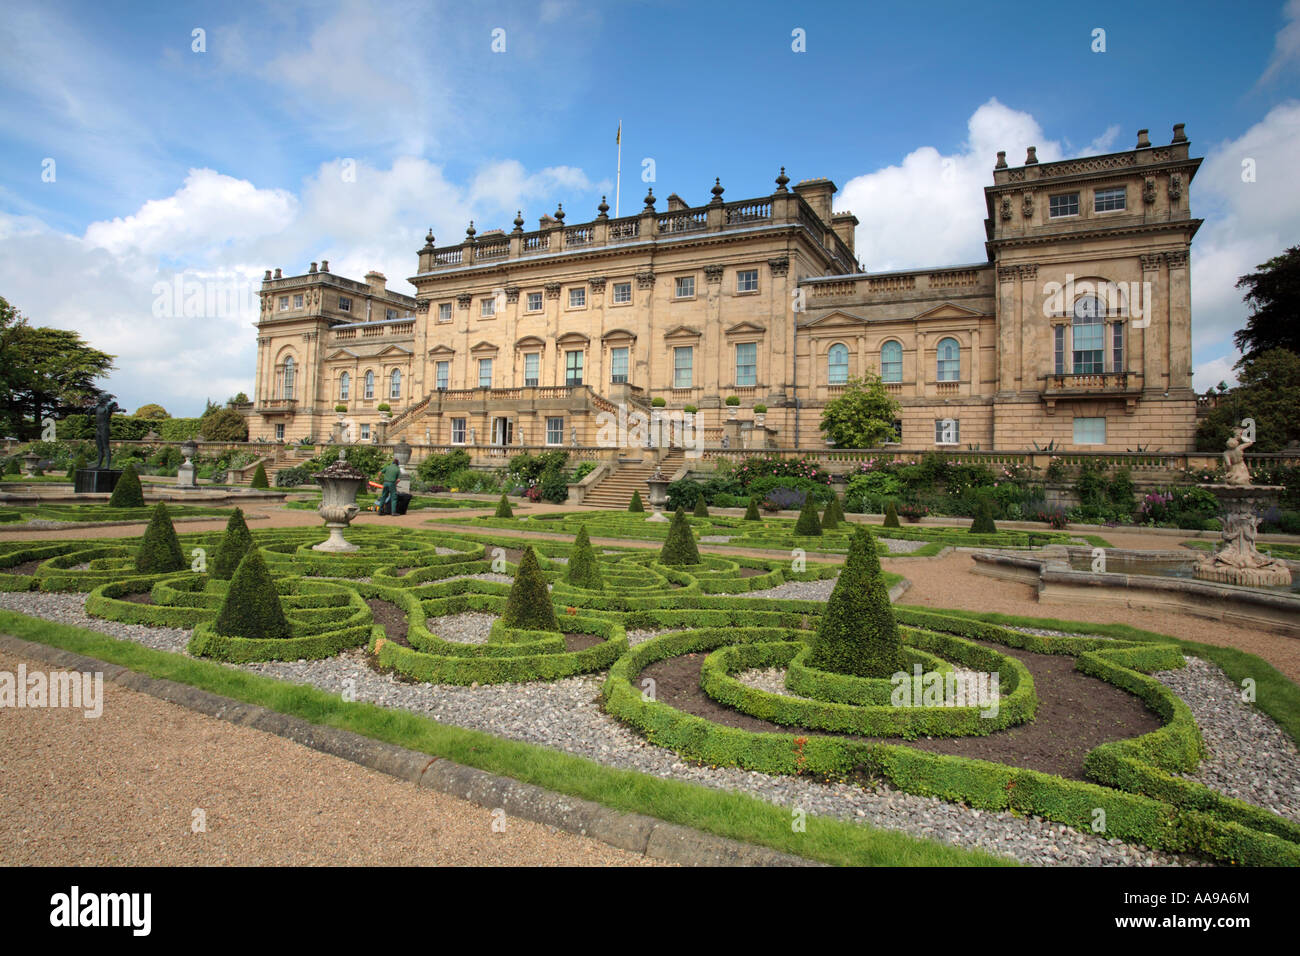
[661,428]
[946,689]
[67,689]
[1133,299]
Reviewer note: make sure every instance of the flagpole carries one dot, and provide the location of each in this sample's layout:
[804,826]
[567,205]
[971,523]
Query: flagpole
[618,176]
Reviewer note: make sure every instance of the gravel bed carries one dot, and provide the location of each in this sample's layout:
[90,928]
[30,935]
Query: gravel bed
[772,680]
[715,538]
[566,715]
[1247,754]
[795,590]
[903,545]
[1045,632]
[471,627]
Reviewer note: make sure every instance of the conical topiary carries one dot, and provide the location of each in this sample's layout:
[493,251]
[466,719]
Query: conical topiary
[808,523]
[503,508]
[12,468]
[127,493]
[529,604]
[252,606]
[234,545]
[679,547]
[701,509]
[259,477]
[159,550]
[583,570]
[635,504]
[983,523]
[751,513]
[891,516]
[76,466]
[834,515]
[857,633]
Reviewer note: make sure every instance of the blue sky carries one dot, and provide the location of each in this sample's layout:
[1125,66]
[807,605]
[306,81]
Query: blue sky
[221,163]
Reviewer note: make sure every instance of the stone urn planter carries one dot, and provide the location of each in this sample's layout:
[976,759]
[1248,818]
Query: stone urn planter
[185,472]
[339,484]
[759,418]
[658,483]
[402,452]
[30,461]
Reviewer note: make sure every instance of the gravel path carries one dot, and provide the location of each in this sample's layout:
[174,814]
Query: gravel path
[470,627]
[84,792]
[566,715]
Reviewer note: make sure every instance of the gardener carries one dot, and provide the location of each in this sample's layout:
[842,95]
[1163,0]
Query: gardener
[389,477]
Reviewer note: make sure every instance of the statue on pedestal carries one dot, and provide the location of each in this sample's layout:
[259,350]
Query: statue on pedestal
[104,409]
[1234,457]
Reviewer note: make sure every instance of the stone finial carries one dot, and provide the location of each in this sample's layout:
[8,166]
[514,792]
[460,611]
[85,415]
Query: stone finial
[470,231]
[603,208]
[650,198]
[519,220]
[312,270]
[559,213]
[1031,156]
[717,189]
[1179,135]
[781,181]
[1144,141]
[1002,160]
[324,265]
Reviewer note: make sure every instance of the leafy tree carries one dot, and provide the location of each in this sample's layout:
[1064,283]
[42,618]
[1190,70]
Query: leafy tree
[1273,294]
[159,549]
[152,411]
[223,424]
[583,569]
[43,372]
[252,607]
[1269,393]
[529,604]
[679,547]
[858,633]
[862,416]
[239,398]
[127,493]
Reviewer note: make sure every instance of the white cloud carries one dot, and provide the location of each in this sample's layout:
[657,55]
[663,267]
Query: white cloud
[1286,49]
[1208,374]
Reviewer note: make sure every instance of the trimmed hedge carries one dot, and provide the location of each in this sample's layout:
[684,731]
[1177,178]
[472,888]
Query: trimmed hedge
[983,523]
[252,606]
[891,516]
[679,547]
[808,525]
[235,543]
[857,633]
[583,570]
[635,504]
[503,508]
[529,605]
[259,477]
[751,511]
[127,493]
[701,509]
[159,550]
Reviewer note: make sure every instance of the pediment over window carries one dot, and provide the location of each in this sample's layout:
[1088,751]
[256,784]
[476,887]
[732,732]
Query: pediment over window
[485,348]
[745,328]
[949,310]
[442,350]
[836,319]
[682,332]
[530,342]
[341,355]
[619,335]
[395,350]
[572,338]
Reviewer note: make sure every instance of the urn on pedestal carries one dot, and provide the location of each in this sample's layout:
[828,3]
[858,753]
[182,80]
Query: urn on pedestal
[339,484]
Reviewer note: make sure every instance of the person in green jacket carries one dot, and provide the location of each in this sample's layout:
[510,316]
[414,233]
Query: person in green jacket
[389,477]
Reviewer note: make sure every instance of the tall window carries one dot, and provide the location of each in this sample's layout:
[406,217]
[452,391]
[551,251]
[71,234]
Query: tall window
[365,433]
[554,431]
[1088,336]
[345,386]
[747,280]
[458,431]
[284,303]
[444,311]
[487,307]
[286,388]
[622,292]
[279,432]
[949,353]
[532,368]
[297,301]
[891,361]
[618,366]
[837,364]
[746,364]
[395,384]
[441,374]
[345,304]
[573,368]
[1117,347]
[370,385]
[1058,349]
[485,373]
[682,358]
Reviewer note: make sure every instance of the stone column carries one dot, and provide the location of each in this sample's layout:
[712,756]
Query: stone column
[1150,338]
[1008,383]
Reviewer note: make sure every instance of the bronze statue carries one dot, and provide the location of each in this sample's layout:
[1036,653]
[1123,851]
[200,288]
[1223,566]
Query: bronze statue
[104,409]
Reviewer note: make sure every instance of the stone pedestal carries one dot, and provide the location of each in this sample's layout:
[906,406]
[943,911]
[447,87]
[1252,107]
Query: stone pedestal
[339,484]
[402,452]
[92,481]
[658,495]
[185,472]
[1236,560]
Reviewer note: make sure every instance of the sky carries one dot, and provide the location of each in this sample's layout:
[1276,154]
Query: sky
[147,148]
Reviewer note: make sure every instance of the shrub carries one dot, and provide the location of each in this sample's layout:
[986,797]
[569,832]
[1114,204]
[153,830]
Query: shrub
[701,509]
[553,486]
[658,402]
[440,468]
[235,543]
[808,524]
[259,477]
[760,409]
[530,468]
[127,493]
[583,570]
[383,407]
[983,523]
[857,633]
[834,516]
[340,408]
[293,477]
[635,504]
[733,400]
[751,512]
[818,489]
[503,508]
[785,499]
[78,465]
[224,424]
[12,467]
[159,550]
[252,607]
[679,546]
[529,604]
[891,516]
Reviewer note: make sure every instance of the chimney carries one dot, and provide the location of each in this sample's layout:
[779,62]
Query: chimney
[845,225]
[1179,135]
[545,222]
[817,193]
[312,270]
[278,275]
[1144,141]
[1002,159]
[324,265]
[377,282]
[1031,156]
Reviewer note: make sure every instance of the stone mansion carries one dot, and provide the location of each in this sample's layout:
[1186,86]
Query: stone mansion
[1077,328]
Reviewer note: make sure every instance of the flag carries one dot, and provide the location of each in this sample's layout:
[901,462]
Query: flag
[618,137]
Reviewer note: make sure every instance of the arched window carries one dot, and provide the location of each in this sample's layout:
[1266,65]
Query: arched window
[370,385]
[1088,336]
[837,364]
[891,362]
[286,386]
[949,353]
[345,385]
[395,384]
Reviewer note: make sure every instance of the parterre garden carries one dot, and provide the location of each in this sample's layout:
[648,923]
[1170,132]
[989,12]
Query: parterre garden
[863,693]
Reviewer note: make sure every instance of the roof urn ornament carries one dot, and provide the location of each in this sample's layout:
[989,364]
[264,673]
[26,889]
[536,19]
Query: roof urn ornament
[603,208]
[519,220]
[781,181]
[650,199]
[717,189]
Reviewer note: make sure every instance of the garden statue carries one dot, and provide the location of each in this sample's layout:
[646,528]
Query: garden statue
[1234,456]
[104,409]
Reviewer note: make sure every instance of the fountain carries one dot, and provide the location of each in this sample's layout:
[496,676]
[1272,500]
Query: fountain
[339,484]
[1236,560]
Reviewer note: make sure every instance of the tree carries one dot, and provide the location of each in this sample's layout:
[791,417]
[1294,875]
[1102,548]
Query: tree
[983,523]
[701,509]
[679,547]
[529,604]
[159,550]
[1269,393]
[834,514]
[252,607]
[891,516]
[153,412]
[503,508]
[259,478]
[1273,294]
[751,512]
[863,416]
[857,633]
[223,424]
[44,372]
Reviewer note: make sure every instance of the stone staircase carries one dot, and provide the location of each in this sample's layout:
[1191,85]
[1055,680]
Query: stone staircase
[615,491]
[277,460]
